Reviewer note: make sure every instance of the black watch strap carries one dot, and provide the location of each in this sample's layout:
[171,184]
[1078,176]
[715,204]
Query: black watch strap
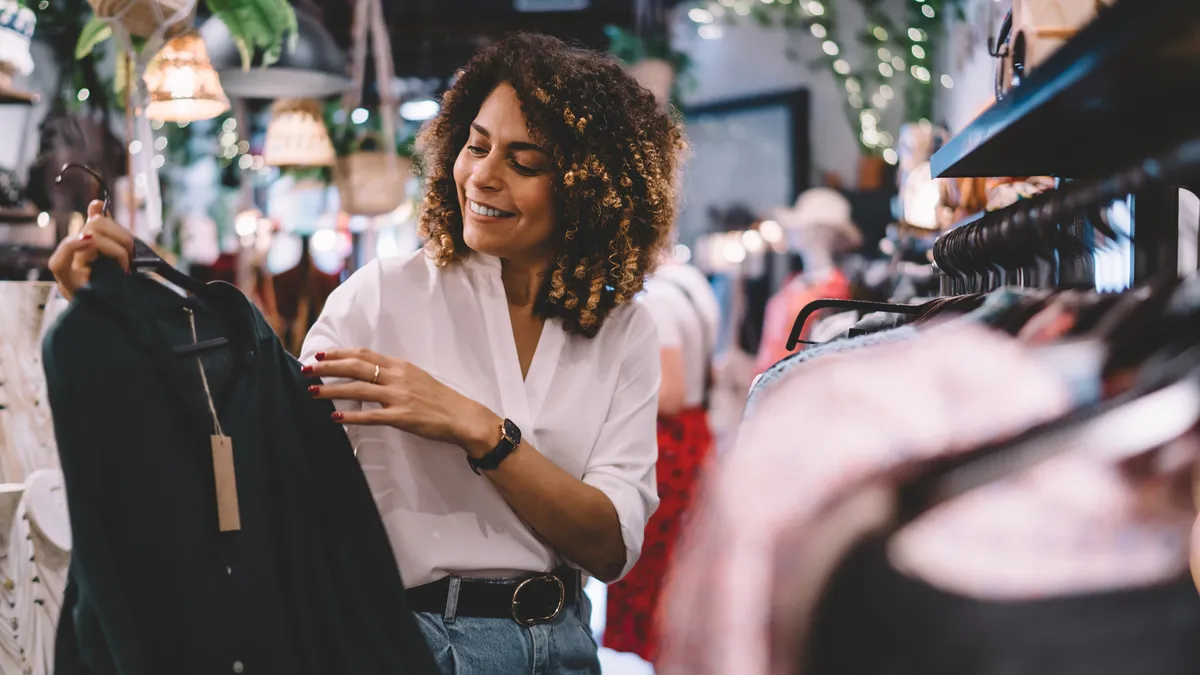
[510,438]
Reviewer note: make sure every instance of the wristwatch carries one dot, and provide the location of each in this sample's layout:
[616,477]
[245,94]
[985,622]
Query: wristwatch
[510,438]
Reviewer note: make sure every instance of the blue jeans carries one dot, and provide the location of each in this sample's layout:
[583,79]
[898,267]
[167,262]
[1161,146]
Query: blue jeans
[464,645]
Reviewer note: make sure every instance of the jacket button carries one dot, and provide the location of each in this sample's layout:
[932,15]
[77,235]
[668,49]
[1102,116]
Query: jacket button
[238,667]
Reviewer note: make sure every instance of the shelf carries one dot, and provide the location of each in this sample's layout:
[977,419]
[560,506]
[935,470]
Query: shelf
[18,216]
[1114,94]
[10,96]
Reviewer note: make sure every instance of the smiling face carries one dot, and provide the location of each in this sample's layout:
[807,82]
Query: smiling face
[506,185]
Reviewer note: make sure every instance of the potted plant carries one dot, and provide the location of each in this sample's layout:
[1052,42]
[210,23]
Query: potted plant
[256,25]
[651,60]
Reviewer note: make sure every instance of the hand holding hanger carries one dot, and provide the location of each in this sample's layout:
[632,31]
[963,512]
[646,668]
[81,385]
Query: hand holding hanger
[410,399]
[72,261]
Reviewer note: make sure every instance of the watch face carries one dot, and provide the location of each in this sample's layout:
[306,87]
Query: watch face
[512,432]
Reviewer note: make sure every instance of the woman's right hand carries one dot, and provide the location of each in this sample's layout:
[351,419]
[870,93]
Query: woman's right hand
[71,262]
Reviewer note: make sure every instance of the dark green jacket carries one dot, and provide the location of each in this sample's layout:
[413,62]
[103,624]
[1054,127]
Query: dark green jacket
[309,585]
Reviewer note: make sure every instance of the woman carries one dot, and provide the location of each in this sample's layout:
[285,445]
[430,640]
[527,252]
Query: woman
[501,390]
[682,301]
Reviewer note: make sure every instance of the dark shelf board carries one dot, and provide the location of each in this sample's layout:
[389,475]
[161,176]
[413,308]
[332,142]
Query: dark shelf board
[10,216]
[1114,94]
[16,97]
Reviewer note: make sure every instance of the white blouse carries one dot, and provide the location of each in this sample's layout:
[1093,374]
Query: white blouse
[589,405]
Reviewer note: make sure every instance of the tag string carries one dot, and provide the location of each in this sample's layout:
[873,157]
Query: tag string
[203,378]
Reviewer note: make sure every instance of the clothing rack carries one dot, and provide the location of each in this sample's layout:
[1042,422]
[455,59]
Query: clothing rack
[1101,116]
[1040,242]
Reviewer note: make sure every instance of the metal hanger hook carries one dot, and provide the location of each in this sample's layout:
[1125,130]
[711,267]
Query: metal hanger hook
[107,208]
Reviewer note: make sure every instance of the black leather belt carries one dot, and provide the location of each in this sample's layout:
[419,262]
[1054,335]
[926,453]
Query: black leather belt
[528,600]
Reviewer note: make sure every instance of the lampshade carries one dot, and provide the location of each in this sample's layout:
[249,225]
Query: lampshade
[182,83]
[316,67]
[296,135]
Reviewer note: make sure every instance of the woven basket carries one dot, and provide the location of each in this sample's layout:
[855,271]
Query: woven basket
[372,182]
[143,17]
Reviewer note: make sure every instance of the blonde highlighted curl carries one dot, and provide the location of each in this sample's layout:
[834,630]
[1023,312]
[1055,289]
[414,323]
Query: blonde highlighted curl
[614,154]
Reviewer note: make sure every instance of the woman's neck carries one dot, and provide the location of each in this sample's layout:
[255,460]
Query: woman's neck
[522,282]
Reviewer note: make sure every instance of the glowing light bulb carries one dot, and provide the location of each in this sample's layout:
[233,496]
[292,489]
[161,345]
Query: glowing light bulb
[918,51]
[841,66]
[818,30]
[830,47]
[700,15]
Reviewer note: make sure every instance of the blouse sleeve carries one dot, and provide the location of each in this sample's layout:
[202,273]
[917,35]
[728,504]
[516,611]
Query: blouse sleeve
[622,461]
[347,322]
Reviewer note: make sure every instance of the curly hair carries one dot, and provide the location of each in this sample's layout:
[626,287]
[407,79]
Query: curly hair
[614,153]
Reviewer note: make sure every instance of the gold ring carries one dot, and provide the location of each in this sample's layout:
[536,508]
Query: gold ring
[376,378]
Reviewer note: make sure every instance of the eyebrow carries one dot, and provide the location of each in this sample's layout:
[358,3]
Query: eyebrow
[515,145]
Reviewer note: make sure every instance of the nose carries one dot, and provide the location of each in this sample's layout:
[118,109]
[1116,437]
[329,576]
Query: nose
[485,173]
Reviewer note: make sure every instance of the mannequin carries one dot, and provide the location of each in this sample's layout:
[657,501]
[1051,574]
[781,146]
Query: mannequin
[818,227]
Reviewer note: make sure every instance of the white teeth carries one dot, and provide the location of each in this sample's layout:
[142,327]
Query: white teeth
[485,211]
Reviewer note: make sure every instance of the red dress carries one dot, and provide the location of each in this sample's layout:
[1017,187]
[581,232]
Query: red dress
[684,442]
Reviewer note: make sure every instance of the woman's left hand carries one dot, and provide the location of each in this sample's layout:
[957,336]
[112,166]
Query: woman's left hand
[411,399]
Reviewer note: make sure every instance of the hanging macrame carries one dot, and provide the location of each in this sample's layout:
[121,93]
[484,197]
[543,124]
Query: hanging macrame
[147,18]
[371,182]
[156,21]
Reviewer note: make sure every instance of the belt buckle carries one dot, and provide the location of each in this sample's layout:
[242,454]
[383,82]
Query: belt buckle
[516,602]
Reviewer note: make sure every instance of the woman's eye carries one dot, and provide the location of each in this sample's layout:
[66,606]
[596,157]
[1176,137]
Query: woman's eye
[476,150]
[524,170]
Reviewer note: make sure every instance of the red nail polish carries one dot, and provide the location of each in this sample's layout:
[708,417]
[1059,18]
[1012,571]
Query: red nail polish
[314,390]
[306,370]
[320,356]
[85,237]
[337,416]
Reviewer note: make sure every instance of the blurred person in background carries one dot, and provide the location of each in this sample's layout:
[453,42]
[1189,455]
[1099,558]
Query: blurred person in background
[501,390]
[686,310]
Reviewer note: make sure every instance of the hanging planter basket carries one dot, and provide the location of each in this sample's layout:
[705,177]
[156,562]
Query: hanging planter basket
[142,18]
[372,182]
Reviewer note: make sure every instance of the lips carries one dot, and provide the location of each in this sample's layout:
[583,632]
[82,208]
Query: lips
[487,211]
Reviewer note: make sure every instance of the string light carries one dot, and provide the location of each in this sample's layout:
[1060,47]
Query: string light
[947,82]
[697,15]
[710,32]
[927,11]
[830,47]
[841,67]
[918,51]
[818,30]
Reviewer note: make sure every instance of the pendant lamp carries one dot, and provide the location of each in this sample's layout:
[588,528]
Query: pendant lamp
[314,67]
[182,83]
[296,135]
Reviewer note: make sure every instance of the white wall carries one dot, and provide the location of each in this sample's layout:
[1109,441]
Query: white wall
[750,60]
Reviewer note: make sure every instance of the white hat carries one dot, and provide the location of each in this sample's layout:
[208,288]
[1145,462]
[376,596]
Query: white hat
[822,210]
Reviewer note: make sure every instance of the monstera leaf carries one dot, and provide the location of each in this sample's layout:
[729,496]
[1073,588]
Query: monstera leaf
[268,26]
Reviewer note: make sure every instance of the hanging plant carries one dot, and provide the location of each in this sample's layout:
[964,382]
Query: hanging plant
[893,51]
[633,49]
[266,26]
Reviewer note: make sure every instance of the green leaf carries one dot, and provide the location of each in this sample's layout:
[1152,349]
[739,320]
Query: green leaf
[94,32]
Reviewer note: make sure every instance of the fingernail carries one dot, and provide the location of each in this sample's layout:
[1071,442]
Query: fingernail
[314,390]
[320,356]
[337,416]
[86,236]
[306,370]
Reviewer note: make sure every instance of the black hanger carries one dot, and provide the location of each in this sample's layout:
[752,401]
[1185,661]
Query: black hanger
[865,306]
[145,259]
